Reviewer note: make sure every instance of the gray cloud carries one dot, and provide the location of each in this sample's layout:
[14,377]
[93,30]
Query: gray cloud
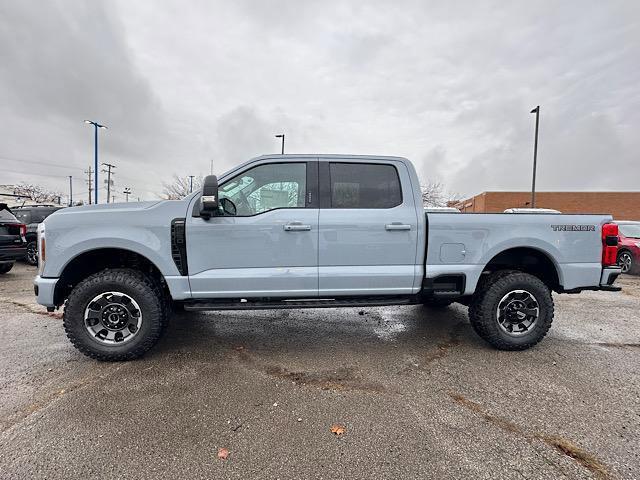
[447,84]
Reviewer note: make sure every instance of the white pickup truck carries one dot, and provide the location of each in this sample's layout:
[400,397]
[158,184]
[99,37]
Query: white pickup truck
[309,231]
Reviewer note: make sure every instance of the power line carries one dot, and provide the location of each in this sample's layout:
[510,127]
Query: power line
[36,162]
[36,174]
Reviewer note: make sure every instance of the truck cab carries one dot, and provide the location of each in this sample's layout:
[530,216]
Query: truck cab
[308,227]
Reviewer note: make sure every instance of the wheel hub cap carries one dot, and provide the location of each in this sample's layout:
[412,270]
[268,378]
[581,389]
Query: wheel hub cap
[517,312]
[113,317]
[625,262]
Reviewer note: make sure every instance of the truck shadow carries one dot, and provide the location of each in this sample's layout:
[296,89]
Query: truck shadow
[330,349]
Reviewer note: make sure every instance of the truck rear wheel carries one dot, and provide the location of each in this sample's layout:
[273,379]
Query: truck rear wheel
[115,315]
[511,310]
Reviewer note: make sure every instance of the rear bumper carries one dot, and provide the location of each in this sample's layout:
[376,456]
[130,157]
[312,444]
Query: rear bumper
[13,253]
[45,288]
[609,275]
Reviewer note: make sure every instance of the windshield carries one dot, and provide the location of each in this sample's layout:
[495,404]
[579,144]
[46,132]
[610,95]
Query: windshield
[630,230]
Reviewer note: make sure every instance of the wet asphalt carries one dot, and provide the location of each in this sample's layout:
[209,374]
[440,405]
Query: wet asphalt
[418,393]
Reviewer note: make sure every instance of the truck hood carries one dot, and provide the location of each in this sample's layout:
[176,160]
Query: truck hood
[121,207]
[131,213]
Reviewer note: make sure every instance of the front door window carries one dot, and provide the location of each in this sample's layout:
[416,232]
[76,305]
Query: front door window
[265,187]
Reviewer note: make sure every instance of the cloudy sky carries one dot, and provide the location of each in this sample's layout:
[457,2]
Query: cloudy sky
[447,84]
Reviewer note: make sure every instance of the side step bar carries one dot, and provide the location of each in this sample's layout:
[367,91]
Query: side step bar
[266,304]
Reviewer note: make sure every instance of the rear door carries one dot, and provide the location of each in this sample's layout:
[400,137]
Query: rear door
[368,228]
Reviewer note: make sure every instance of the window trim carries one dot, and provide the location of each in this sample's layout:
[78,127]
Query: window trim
[311,188]
[325,185]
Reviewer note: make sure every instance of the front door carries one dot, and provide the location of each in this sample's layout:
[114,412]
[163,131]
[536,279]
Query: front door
[368,229]
[265,244]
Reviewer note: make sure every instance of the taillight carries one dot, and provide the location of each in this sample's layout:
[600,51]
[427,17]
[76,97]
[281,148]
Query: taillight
[609,244]
[23,232]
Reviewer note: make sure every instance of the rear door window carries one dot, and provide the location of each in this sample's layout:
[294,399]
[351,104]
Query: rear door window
[6,216]
[364,185]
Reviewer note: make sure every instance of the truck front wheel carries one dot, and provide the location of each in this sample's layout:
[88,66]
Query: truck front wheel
[115,315]
[511,310]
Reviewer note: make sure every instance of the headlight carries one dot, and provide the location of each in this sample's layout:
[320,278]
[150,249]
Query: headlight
[42,249]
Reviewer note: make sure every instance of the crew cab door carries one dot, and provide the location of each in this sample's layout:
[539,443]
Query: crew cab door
[268,246]
[368,228]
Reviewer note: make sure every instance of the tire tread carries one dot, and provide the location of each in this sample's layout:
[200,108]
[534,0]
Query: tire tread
[123,276]
[481,313]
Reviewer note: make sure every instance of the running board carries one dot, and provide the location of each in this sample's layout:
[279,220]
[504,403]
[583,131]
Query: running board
[249,304]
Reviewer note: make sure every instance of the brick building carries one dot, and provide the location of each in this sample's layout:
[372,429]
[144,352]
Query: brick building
[622,205]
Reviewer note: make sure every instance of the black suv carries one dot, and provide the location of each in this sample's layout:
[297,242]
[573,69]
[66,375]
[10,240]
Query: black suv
[13,242]
[33,215]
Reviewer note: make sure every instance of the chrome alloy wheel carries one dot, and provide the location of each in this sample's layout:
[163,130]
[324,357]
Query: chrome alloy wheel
[113,318]
[32,253]
[624,261]
[517,312]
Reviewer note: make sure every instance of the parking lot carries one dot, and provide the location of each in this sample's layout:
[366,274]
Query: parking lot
[418,394]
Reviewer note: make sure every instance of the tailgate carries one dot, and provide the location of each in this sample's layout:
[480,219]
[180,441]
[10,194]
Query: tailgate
[10,235]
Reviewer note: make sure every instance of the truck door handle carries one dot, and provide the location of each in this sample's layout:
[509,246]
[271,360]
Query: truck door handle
[397,226]
[296,227]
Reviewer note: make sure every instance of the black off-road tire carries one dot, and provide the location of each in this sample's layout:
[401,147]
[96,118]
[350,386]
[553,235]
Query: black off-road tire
[141,288]
[436,303]
[32,253]
[484,304]
[5,267]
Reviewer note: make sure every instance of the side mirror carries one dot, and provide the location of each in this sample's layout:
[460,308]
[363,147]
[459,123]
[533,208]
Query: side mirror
[209,198]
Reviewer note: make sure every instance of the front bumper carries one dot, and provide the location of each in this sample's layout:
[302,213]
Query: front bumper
[45,289]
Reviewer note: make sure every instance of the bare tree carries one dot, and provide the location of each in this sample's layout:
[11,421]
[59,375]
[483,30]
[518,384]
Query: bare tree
[180,187]
[36,193]
[434,194]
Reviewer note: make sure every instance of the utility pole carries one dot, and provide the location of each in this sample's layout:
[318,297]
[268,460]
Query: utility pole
[535,157]
[282,137]
[108,172]
[191,183]
[96,126]
[113,199]
[211,173]
[70,190]
[127,192]
[89,172]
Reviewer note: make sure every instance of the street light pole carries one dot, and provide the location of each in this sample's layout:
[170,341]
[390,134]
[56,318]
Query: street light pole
[535,157]
[96,126]
[282,137]
[71,190]
[191,183]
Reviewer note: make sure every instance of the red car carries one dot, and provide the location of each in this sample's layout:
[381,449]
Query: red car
[629,246]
